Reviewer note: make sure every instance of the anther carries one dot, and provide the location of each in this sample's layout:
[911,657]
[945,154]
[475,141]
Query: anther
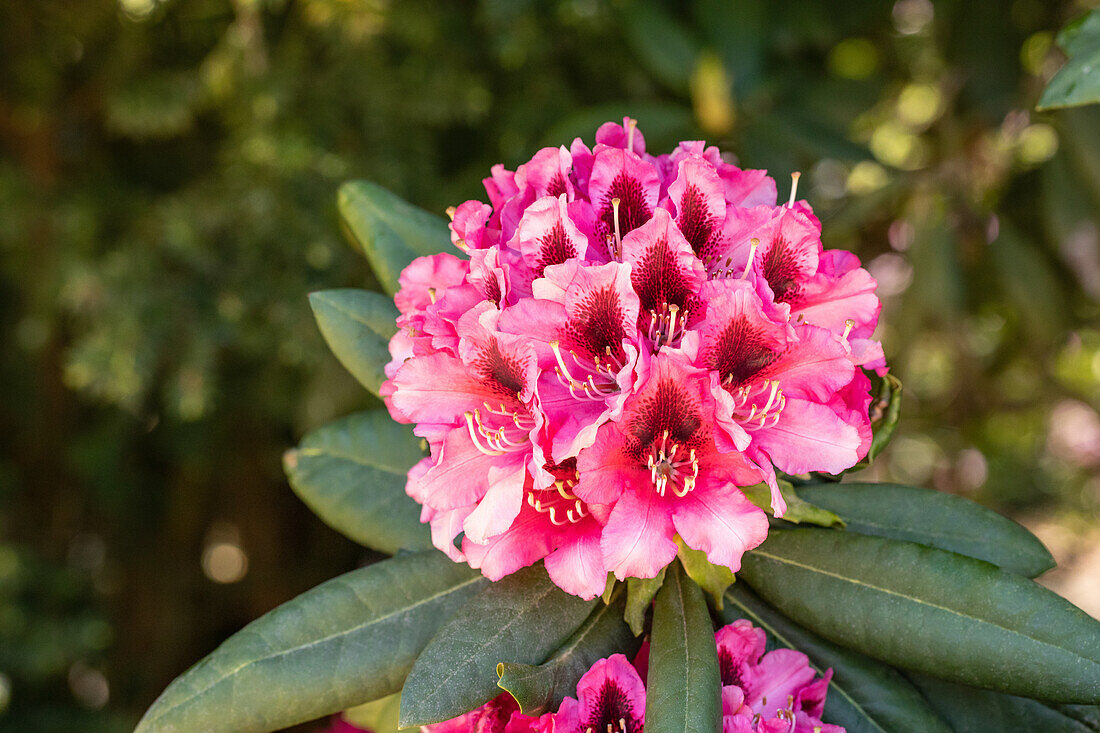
[555,345]
[672,311]
[451,212]
[470,416]
[753,244]
[771,397]
[431,294]
[794,187]
[848,326]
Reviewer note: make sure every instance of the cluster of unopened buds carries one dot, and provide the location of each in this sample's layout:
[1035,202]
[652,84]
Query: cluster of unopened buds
[626,342]
[777,692]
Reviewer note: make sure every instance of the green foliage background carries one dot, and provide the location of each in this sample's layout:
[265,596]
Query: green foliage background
[167,200]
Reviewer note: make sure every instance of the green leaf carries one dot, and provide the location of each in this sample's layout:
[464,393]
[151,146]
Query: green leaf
[357,326]
[1089,715]
[522,619]
[351,473]
[934,518]
[639,595]
[865,696]
[714,579]
[931,611]
[683,691]
[539,689]
[885,411]
[390,231]
[377,716]
[970,710]
[1078,82]
[798,511]
[347,641]
[671,61]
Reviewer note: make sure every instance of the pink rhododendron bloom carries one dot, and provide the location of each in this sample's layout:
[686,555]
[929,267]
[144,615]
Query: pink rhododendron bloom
[499,715]
[339,724]
[625,342]
[777,692]
[610,697]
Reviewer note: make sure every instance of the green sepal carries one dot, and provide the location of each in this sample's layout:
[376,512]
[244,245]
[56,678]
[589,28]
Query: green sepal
[714,579]
[377,716]
[639,595]
[798,511]
[885,411]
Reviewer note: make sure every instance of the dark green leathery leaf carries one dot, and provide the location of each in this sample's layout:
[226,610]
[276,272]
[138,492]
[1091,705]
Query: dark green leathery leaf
[683,692]
[390,231]
[865,695]
[521,618]
[352,474]
[348,641]
[540,688]
[930,610]
[357,326]
[971,710]
[934,518]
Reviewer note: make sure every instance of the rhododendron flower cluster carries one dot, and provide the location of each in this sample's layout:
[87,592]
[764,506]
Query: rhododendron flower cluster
[627,340]
[777,692]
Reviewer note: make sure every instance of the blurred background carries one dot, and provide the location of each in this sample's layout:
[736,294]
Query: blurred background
[167,199]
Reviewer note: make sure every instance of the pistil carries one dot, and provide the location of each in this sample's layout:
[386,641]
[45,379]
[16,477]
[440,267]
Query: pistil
[668,467]
[794,187]
[618,251]
[753,244]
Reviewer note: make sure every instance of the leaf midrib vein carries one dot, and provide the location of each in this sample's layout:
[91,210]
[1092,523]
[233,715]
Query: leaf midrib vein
[918,601]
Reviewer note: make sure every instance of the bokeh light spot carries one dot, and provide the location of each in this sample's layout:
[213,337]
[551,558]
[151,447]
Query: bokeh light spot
[224,560]
[1037,143]
[919,104]
[853,58]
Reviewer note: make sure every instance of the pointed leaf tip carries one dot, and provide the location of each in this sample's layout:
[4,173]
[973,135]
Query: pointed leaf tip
[352,474]
[388,230]
[357,325]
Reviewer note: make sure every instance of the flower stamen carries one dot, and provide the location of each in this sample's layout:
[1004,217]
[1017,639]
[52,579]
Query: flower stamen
[476,440]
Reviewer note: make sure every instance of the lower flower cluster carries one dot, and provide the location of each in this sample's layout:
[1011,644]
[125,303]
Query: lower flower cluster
[776,692]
